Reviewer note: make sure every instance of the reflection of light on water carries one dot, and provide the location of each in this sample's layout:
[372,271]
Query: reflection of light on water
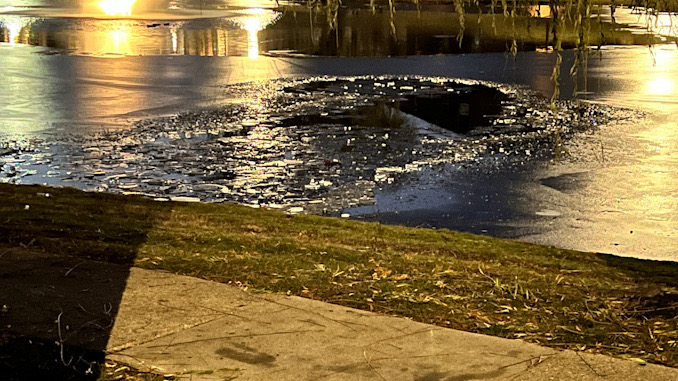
[662,24]
[114,38]
[660,81]
[252,39]
[253,23]
[14,26]
[120,40]
[662,54]
[543,11]
[117,7]
[175,41]
[13,31]
[660,86]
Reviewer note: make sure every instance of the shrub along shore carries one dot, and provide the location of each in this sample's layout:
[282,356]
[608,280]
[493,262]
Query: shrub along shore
[553,297]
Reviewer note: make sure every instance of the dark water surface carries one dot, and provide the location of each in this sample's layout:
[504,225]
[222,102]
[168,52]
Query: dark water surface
[616,194]
[225,28]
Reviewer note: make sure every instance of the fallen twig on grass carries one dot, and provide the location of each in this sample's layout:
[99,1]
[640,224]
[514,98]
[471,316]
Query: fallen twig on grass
[61,341]
[74,267]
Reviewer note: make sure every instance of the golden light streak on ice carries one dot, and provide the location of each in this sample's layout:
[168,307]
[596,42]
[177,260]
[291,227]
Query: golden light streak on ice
[253,23]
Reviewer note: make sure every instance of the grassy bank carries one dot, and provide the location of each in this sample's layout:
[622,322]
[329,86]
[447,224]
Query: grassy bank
[553,297]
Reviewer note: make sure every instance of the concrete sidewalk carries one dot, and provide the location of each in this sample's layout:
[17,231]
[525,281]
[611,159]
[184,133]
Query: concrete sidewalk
[201,330]
[210,331]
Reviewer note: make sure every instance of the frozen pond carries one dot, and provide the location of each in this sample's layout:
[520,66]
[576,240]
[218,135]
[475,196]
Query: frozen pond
[72,107]
[315,145]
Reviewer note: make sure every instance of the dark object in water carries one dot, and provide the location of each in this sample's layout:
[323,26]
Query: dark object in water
[459,110]
[7,151]
[454,106]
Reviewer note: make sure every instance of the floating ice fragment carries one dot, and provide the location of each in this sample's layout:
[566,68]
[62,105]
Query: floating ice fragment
[548,213]
[296,210]
[109,178]
[128,185]
[184,199]
[133,194]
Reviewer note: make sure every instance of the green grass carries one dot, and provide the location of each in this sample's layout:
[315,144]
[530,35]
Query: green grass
[553,297]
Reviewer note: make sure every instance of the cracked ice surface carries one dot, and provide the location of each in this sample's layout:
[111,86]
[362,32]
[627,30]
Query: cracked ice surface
[316,145]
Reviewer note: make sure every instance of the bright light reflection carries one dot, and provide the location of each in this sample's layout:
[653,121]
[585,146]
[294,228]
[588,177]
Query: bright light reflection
[252,42]
[663,54]
[660,82]
[14,25]
[257,21]
[660,86]
[13,31]
[662,24]
[120,41]
[117,7]
[542,11]
[115,40]
[175,40]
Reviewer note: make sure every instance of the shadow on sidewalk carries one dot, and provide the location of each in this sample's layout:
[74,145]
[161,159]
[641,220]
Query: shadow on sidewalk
[58,302]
